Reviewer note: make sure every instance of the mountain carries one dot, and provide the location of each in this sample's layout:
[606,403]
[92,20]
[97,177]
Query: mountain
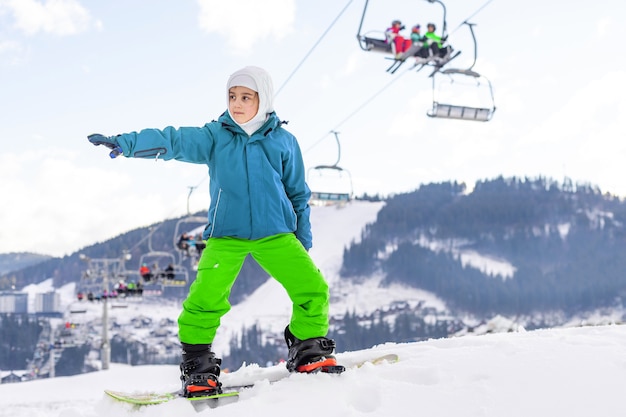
[143,330]
[510,246]
[435,262]
[136,247]
[15,261]
[573,372]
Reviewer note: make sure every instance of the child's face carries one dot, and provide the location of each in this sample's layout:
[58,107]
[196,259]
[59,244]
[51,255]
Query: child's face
[243,103]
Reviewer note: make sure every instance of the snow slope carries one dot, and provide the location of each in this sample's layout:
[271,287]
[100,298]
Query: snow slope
[573,372]
[334,228]
[569,372]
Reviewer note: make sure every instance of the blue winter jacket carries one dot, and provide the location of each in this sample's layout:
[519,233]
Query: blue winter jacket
[257,183]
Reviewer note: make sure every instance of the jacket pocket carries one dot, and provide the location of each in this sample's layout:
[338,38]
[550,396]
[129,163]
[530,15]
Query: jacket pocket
[150,153]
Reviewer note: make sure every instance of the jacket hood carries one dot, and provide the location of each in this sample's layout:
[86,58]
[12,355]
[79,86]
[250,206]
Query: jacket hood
[252,77]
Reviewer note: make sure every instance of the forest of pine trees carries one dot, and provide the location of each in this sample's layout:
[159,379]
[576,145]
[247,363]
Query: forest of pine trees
[18,339]
[565,241]
[513,219]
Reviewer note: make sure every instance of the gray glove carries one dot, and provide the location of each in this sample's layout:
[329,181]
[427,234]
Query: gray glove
[108,141]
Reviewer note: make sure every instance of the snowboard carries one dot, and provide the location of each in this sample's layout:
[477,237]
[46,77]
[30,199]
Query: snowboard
[230,393]
[153,398]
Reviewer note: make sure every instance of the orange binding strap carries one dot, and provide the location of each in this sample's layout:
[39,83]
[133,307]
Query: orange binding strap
[197,388]
[309,367]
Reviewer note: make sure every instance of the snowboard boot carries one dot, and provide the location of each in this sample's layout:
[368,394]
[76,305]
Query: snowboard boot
[311,355]
[199,371]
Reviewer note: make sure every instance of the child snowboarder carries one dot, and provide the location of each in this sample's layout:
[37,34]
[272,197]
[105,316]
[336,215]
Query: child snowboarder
[259,207]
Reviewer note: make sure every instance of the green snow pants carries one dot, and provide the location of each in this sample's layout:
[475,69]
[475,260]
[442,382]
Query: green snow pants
[283,257]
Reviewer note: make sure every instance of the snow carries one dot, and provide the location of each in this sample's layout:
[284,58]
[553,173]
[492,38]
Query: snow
[487,264]
[335,228]
[573,371]
[557,372]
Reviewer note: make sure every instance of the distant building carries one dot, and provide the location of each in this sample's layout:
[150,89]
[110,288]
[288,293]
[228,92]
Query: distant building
[11,378]
[13,302]
[49,302]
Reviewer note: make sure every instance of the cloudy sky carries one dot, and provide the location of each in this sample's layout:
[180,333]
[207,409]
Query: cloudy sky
[69,68]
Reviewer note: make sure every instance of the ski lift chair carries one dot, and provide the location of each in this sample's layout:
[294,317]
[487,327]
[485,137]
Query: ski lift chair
[462,112]
[339,190]
[342,190]
[179,277]
[320,196]
[450,111]
[384,44]
[381,43]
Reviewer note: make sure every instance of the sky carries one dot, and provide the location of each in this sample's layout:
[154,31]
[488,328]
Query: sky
[69,68]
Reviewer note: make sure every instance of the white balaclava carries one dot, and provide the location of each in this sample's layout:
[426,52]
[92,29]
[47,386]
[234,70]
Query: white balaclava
[259,80]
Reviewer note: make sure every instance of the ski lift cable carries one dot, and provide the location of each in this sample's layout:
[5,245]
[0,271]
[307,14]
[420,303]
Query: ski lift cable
[472,15]
[147,236]
[388,84]
[313,47]
[358,109]
[362,105]
[191,188]
[371,98]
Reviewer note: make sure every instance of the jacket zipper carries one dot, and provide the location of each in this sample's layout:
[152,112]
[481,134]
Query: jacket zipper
[149,153]
[217,204]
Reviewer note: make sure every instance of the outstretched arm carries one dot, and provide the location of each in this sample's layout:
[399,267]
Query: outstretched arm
[189,144]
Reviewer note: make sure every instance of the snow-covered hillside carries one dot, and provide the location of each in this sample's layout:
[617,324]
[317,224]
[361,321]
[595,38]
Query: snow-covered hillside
[575,372]
[152,321]
[334,228]
[571,372]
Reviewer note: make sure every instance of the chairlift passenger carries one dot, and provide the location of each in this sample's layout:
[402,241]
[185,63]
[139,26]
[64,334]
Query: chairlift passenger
[399,43]
[416,36]
[433,46]
[145,272]
[169,272]
[184,241]
[199,244]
